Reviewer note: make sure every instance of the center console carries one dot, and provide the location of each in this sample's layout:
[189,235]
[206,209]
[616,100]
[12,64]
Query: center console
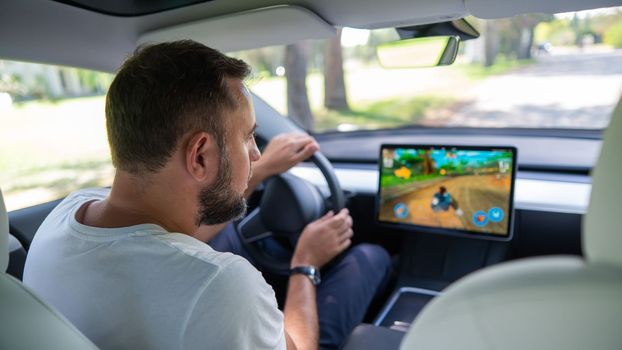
[455,208]
[403,306]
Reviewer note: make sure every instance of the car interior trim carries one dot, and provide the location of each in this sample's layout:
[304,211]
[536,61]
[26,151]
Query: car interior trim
[14,244]
[123,8]
[246,30]
[387,308]
[531,194]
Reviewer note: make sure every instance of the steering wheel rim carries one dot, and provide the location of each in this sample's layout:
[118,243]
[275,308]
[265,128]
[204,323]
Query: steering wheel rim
[253,228]
[338,200]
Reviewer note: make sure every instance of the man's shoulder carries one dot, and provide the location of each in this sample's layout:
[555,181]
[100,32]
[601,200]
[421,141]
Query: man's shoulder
[201,253]
[59,219]
[87,194]
[80,197]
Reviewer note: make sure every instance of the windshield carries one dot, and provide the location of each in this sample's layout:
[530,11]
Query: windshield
[559,71]
[529,71]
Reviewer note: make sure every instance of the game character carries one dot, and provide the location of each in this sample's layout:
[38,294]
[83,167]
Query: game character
[442,200]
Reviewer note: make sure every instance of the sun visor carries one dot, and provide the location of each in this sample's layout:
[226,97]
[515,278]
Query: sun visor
[269,26]
[491,9]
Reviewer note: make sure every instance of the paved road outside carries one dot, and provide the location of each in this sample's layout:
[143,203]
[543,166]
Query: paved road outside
[570,90]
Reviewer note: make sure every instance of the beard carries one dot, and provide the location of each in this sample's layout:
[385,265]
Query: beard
[218,202]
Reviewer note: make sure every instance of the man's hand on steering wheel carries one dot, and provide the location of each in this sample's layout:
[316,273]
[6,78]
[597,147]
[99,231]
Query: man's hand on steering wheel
[291,207]
[282,153]
[323,239]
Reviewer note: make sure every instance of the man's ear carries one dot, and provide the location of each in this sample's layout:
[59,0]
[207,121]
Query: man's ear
[201,156]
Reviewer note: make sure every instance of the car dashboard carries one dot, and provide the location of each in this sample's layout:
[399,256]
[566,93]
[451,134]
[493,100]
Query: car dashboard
[552,193]
[545,192]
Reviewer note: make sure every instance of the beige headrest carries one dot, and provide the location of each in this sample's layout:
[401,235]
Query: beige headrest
[4,236]
[602,225]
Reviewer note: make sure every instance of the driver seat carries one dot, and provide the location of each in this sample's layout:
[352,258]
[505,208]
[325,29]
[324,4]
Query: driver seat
[27,322]
[543,303]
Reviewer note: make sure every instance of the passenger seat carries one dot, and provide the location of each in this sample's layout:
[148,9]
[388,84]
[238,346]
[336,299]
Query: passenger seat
[27,322]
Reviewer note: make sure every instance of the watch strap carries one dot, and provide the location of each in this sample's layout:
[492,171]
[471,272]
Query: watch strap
[310,271]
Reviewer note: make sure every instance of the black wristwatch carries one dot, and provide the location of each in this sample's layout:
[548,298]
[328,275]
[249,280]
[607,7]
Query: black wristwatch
[310,271]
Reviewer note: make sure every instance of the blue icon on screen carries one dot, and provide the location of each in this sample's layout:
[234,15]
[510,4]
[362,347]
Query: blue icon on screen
[480,218]
[400,210]
[495,214]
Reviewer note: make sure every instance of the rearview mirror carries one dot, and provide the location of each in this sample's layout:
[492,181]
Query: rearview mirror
[419,52]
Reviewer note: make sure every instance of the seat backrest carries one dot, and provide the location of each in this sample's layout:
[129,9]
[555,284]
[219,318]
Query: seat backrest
[543,303]
[602,229]
[4,235]
[26,322]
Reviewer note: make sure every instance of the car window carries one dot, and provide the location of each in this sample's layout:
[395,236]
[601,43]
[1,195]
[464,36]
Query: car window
[52,132]
[529,71]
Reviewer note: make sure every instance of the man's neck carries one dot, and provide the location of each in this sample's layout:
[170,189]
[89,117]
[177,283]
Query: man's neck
[132,203]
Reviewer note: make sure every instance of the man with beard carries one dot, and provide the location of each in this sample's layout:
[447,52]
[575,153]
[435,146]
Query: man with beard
[348,284]
[124,265]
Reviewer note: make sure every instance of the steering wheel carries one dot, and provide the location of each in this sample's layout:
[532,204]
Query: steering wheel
[287,205]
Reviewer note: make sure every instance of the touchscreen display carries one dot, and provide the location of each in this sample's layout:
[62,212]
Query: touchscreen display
[448,189]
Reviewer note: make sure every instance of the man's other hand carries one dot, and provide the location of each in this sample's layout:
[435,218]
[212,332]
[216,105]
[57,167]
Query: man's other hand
[323,239]
[283,152]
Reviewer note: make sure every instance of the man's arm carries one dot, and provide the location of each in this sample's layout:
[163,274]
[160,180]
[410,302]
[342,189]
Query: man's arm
[301,321]
[319,243]
[283,152]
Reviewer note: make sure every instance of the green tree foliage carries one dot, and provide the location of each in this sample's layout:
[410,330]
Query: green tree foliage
[264,60]
[613,35]
[409,160]
[572,31]
[12,83]
[515,35]
[557,32]
[96,82]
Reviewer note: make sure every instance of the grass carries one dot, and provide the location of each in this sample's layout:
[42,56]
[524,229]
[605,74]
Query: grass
[502,66]
[39,134]
[50,148]
[381,114]
[39,186]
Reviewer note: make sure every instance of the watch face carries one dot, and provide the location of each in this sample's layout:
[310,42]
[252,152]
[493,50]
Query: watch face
[315,277]
[310,271]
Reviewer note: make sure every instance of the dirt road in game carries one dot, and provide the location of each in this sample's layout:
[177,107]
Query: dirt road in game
[473,193]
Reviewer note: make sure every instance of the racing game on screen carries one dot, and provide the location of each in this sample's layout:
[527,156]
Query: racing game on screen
[449,188]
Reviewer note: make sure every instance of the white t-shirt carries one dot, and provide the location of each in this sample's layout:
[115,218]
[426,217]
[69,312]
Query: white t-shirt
[142,287]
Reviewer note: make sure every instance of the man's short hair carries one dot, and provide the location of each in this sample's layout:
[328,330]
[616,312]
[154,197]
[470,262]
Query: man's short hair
[161,93]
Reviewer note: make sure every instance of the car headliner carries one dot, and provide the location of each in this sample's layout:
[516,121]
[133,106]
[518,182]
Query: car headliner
[53,32]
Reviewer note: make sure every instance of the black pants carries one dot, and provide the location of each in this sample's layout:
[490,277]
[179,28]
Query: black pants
[347,288]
